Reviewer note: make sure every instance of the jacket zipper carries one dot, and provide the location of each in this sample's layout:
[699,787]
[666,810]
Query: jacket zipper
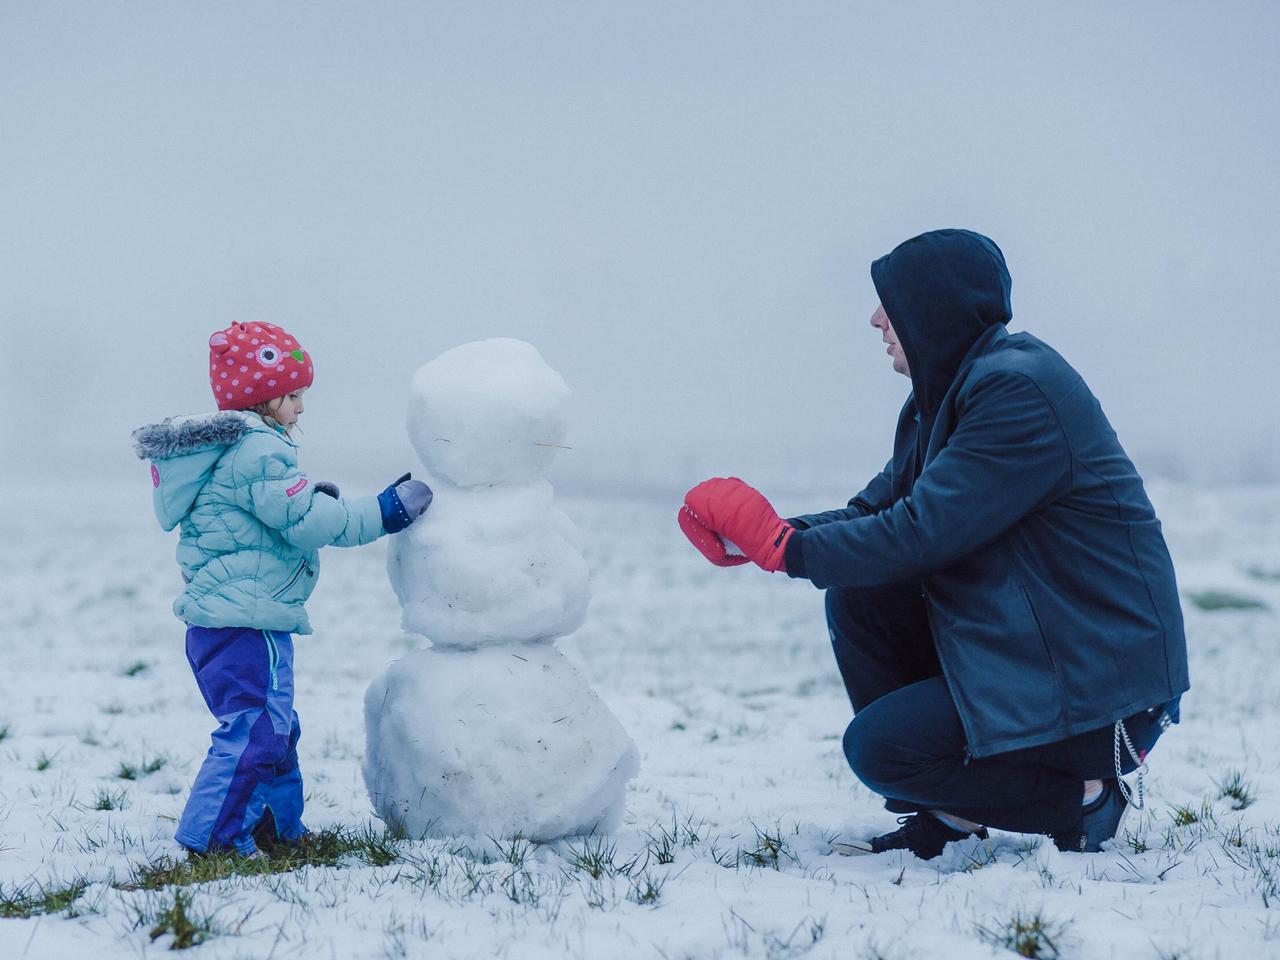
[273,660]
[292,580]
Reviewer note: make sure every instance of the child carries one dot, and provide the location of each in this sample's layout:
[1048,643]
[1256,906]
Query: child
[251,526]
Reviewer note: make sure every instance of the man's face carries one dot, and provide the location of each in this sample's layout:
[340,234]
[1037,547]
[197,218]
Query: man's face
[880,320]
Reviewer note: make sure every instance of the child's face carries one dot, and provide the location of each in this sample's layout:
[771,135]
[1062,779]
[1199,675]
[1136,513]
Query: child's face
[289,409]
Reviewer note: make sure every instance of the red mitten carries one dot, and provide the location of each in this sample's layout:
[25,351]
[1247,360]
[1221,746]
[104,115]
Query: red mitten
[737,512]
[708,543]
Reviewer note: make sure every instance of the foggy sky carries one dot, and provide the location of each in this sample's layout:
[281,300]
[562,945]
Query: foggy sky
[676,203]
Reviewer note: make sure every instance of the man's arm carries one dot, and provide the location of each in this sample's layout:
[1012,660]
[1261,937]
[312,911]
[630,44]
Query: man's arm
[1007,457]
[875,496]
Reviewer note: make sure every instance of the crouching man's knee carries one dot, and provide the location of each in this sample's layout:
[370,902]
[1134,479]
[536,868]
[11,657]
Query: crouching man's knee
[870,756]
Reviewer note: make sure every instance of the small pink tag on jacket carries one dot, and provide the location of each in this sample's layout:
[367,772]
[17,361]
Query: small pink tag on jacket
[155,476]
[301,484]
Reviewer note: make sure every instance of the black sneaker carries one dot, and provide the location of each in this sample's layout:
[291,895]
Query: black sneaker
[921,833]
[1100,820]
[264,831]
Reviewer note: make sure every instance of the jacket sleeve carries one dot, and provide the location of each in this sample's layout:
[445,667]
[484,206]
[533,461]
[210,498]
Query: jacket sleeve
[875,496]
[1007,457]
[269,485]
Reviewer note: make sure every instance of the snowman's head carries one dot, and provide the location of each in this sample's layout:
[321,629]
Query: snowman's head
[488,413]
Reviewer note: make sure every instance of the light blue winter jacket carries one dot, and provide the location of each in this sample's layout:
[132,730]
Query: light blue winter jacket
[251,522]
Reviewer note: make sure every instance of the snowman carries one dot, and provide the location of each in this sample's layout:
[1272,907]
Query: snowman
[491,732]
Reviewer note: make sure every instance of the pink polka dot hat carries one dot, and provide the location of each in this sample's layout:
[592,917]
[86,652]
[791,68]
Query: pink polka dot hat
[250,363]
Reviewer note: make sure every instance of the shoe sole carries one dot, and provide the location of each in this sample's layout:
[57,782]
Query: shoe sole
[856,849]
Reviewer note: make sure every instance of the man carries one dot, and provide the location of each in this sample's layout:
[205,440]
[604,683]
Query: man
[1000,598]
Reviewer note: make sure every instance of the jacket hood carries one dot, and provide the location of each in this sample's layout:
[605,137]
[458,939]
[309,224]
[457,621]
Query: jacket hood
[941,290]
[183,452]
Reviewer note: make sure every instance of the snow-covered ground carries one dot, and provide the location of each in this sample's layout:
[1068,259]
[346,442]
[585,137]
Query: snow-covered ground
[725,680]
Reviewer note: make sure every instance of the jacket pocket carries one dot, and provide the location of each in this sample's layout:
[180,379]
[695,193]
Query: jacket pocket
[288,584]
[1044,640]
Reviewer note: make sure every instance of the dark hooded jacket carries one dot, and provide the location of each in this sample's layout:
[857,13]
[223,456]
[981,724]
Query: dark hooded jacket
[1049,588]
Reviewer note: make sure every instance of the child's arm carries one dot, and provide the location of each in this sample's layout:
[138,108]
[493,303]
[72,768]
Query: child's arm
[269,485]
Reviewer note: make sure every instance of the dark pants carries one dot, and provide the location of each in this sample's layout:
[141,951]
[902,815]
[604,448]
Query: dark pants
[907,744]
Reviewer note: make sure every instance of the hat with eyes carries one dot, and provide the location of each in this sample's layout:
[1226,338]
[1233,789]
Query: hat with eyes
[250,363]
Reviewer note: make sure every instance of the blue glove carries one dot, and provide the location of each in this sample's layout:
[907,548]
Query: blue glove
[327,488]
[403,502]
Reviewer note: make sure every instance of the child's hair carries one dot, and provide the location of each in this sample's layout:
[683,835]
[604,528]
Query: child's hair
[267,409]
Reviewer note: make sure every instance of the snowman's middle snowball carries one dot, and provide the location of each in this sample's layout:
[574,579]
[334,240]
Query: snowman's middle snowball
[490,565]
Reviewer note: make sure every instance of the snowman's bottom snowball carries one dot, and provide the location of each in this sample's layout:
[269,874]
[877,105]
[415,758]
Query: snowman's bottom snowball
[494,742]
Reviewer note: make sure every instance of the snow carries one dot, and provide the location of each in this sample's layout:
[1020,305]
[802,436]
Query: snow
[724,679]
[492,743]
[490,564]
[488,412]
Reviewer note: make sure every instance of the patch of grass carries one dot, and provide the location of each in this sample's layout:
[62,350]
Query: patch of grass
[1234,788]
[113,709]
[514,851]
[662,841]
[661,847]
[43,762]
[806,935]
[723,857]
[1267,880]
[34,899]
[4,732]
[1027,935]
[374,848]
[1266,576]
[769,850]
[1211,600]
[1184,816]
[402,936]
[110,799]
[323,848]
[1258,853]
[595,857]
[1234,836]
[189,927]
[522,887]
[1137,842]
[646,889]
[131,771]
[134,669]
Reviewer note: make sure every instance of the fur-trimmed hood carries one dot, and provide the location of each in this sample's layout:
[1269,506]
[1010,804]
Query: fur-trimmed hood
[178,436]
[183,452]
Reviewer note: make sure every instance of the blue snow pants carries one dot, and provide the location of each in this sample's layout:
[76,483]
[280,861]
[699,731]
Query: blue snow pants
[246,678]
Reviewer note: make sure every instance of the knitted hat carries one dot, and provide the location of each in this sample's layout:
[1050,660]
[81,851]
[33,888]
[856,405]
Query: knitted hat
[250,363]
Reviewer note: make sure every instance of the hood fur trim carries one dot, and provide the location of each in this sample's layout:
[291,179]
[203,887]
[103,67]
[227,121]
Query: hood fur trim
[178,436]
